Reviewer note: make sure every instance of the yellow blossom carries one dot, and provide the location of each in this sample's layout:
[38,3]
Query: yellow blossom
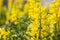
[10,3]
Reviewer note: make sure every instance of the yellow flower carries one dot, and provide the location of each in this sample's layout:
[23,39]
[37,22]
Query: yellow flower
[34,27]
[19,3]
[57,4]
[13,19]
[38,0]
[4,33]
[52,5]
[52,10]
[43,15]
[7,16]
[26,8]
[1,3]
[10,3]
[30,1]
[33,15]
[20,14]
[52,18]
[58,14]
[51,28]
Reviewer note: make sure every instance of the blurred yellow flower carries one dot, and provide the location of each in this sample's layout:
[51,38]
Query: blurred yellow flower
[1,3]
[10,3]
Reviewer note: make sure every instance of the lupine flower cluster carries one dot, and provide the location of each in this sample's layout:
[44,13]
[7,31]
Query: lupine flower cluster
[29,20]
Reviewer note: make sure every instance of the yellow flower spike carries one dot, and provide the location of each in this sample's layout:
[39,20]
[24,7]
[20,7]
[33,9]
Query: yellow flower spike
[52,5]
[20,14]
[58,14]
[43,15]
[10,3]
[51,28]
[7,16]
[34,27]
[13,11]
[43,21]
[57,4]
[1,3]
[26,8]
[30,6]
[36,23]
[52,18]
[4,33]
[33,15]
[30,1]
[46,28]
[13,19]
[33,32]
[36,10]
[52,10]
[38,0]
[19,3]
